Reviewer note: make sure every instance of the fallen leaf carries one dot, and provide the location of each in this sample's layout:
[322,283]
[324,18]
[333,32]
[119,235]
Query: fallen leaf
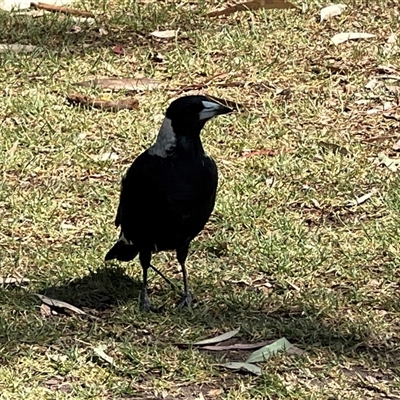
[139,84]
[17,48]
[392,38]
[396,146]
[59,304]
[253,5]
[215,392]
[388,162]
[45,310]
[165,34]
[236,346]
[361,199]
[103,32]
[372,84]
[396,117]
[345,36]
[108,105]
[13,281]
[332,11]
[269,350]
[106,157]
[119,50]
[393,89]
[243,366]
[394,77]
[218,339]
[100,352]
[75,29]
[334,148]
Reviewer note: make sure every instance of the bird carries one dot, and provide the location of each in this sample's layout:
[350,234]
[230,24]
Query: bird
[168,193]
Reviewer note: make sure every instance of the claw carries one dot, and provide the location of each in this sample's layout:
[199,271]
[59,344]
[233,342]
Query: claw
[186,300]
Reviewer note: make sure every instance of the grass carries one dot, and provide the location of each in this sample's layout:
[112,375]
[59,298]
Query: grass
[281,256]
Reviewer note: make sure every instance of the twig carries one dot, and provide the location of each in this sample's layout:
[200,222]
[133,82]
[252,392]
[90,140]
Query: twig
[63,10]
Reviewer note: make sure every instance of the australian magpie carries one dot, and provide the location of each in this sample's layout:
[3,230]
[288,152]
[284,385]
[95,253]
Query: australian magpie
[168,193]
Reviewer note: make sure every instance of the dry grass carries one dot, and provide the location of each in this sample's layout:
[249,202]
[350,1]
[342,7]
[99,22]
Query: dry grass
[282,254]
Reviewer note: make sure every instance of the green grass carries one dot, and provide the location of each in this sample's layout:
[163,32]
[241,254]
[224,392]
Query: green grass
[281,256]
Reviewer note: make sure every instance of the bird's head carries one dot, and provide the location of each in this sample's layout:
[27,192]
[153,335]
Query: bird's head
[189,114]
[185,117]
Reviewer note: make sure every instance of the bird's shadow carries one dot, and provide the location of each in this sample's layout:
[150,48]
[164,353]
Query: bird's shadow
[99,290]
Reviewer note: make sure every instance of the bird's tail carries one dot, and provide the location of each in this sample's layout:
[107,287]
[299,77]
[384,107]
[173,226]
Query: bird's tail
[122,251]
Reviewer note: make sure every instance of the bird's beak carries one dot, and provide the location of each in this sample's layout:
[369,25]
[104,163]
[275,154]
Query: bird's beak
[212,109]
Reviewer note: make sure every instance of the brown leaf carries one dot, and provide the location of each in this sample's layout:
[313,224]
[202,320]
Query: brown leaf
[61,9]
[119,50]
[59,304]
[108,105]
[253,5]
[139,84]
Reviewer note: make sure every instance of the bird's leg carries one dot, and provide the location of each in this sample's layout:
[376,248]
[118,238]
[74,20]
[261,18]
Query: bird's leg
[145,258]
[186,300]
[162,276]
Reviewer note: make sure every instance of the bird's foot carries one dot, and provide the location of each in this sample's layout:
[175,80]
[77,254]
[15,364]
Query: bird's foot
[145,304]
[186,300]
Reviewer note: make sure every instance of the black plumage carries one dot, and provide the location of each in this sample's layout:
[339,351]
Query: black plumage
[168,193]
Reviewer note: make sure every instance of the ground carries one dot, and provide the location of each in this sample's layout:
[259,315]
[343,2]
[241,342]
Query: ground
[284,254]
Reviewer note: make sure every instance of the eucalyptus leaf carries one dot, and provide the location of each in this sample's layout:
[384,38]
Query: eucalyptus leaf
[243,366]
[218,339]
[266,352]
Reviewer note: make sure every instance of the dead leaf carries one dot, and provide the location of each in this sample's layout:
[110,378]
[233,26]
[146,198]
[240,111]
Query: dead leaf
[139,84]
[396,146]
[332,11]
[215,392]
[108,105]
[396,117]
[345,36]
[10,280]
[372,84]
[243,366]
[62,9]
[388,162]
[218,339]
[107,156]
[253,5]
[45,310]
[17,48]
[59,304]
[75,29]
[393,89]
[361,199]
[103,32]
[236,346]
[119,50]
[169,34]
[100,352]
